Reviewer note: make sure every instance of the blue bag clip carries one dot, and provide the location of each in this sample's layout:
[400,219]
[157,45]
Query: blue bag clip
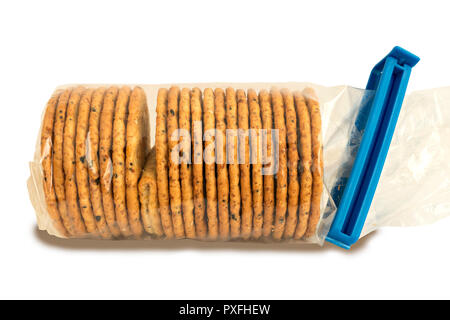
[389,80]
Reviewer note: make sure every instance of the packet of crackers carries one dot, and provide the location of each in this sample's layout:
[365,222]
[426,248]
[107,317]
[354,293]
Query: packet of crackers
[278,162]
[209,162]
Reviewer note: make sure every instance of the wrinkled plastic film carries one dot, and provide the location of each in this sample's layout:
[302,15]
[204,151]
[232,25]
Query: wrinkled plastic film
[414,187]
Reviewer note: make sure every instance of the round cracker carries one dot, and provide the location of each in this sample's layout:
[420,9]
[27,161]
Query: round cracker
[104,154]
[148,197]
[244,164]
[233,163]
[293,185]
[221,164]
[58,171]
[269,161]
[46,162]
[118,159]
[210,166]
[317,159]
[93,141]
[304,125]
[161,163]
[197,166]
[70,185]
[174,172]
[184,121]
[81,169]
[137,150]
[281,190]
[256,152]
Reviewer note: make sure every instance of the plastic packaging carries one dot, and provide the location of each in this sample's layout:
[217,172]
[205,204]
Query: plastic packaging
[91,169]
[108,125]
[414,188]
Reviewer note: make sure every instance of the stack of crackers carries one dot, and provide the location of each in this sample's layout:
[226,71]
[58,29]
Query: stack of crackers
[203,178]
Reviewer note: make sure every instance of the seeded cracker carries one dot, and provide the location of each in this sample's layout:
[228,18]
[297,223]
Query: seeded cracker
[244,165]
[137,150]
[233,167]
[92,141]
[256,156]
[162,163]
[281,193]
[46,161]
[317,159]
[293,185]
[105,152]
[82,174]
[221,164]
[70,185]
[304,125]
[210,166]
[174,173]
[268,157]
[58,171]
[148,196]
[197,166]
[187,197]
[118,159]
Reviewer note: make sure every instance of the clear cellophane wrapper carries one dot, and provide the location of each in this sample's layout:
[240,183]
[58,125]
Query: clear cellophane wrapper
[330,150]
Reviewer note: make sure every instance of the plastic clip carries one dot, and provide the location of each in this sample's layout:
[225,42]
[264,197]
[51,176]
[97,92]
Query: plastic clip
[389,79]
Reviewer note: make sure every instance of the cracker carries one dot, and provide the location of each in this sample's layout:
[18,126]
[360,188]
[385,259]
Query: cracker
[210,166]
[105,151]
[256,148]
[92,158]
[148,197]
[317,159]
[184,120]
[293,185]
[304,125]
[197,166]
[244,164]
[174,172]
[137,150]
[233,163]
[118,159]
[82,169]
[57,166]
[162,155]
[268,160]
[46,161]
[281,190]
[70,185]
[221,164]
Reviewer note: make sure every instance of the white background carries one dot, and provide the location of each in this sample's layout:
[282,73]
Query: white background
[47,43]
